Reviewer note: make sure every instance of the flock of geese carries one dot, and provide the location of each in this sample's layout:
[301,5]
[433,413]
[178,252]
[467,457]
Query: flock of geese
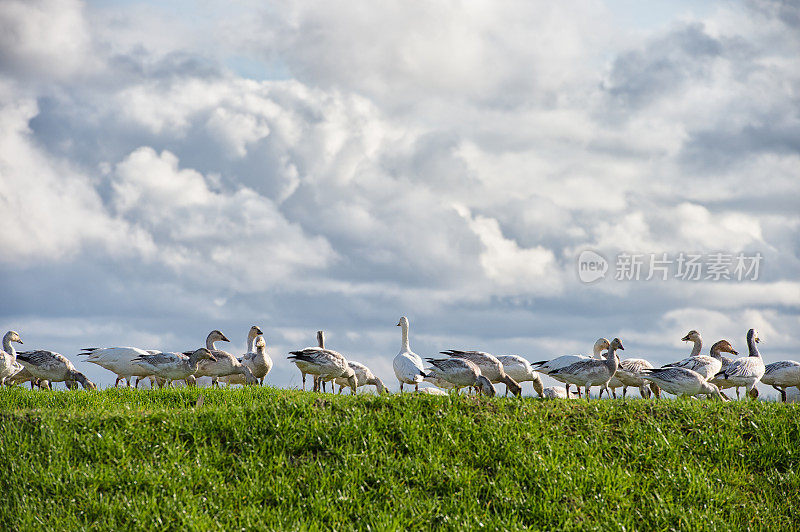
[695,375]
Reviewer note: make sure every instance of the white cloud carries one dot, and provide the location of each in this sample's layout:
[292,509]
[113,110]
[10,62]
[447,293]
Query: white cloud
[45,38]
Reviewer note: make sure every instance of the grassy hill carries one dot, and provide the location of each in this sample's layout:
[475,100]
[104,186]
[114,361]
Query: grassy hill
[284,459]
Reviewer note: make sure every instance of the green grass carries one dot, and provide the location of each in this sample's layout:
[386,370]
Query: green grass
[282,459]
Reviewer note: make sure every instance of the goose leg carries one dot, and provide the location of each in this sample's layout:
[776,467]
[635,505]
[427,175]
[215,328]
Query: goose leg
[401,387]
[116,382]
[614,392]
[304,382]
[782,392]
[737,393]
[586,389]
[416,386]
[340,390]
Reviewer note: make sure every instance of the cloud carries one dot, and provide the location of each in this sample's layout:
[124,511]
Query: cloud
[153,192]
[44,38]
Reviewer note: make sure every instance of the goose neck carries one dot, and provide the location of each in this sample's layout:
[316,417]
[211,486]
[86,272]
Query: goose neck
[8,347]
[752,347]
[251,341]
[698,345]
[406,346]
[210,344]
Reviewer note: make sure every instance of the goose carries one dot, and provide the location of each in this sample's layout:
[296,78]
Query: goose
[53,367]
[549,366]
[223,363]
[490,367]
[520,370]
[23,375]
[705,365]
[257,360]
[118,360]
[744,371]
[364,377]
[174,366]
[431,391]
[325,364]
[629,373]
[461,372]
[592,372]
[302,366]
[407,364]
[439,383]
[8,357]
[681,382]
[782,375]
[556,392]
[247,359]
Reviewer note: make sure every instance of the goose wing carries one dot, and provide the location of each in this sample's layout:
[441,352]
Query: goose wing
[745,367]
[45,360]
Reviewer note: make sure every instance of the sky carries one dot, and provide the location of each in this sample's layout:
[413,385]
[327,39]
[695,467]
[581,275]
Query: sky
[166,170]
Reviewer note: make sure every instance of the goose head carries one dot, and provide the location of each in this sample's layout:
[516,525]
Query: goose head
[203,354]
[12,336]
[691,336]
[216,336]
[321,339]
[712,389]
[752,334]
[600,345]
[81,378]
[616,343]
[352,380]
[487,388]
[261,344]
[403,322]
[723,346]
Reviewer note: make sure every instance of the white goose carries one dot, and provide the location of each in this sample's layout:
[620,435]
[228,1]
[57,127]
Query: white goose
[223,364]
[521,371]
[326,364]
[629,373]
[556,392]
[23,376]
[549,366]
[681,382]
[174,366]
[705,365]
[490,367]
[302,366]
[8,357]
[256,359]
[439,383]
[408,367]
[782,375]
[462,373]
[364,377]
[744,371]
[431,391]
[119,360]
[592,372]
[53,367]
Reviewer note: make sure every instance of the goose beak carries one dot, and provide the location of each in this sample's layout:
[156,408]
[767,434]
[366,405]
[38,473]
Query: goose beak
[20,341]
[685,338]
[224,338]
[734,352]
[398,324]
